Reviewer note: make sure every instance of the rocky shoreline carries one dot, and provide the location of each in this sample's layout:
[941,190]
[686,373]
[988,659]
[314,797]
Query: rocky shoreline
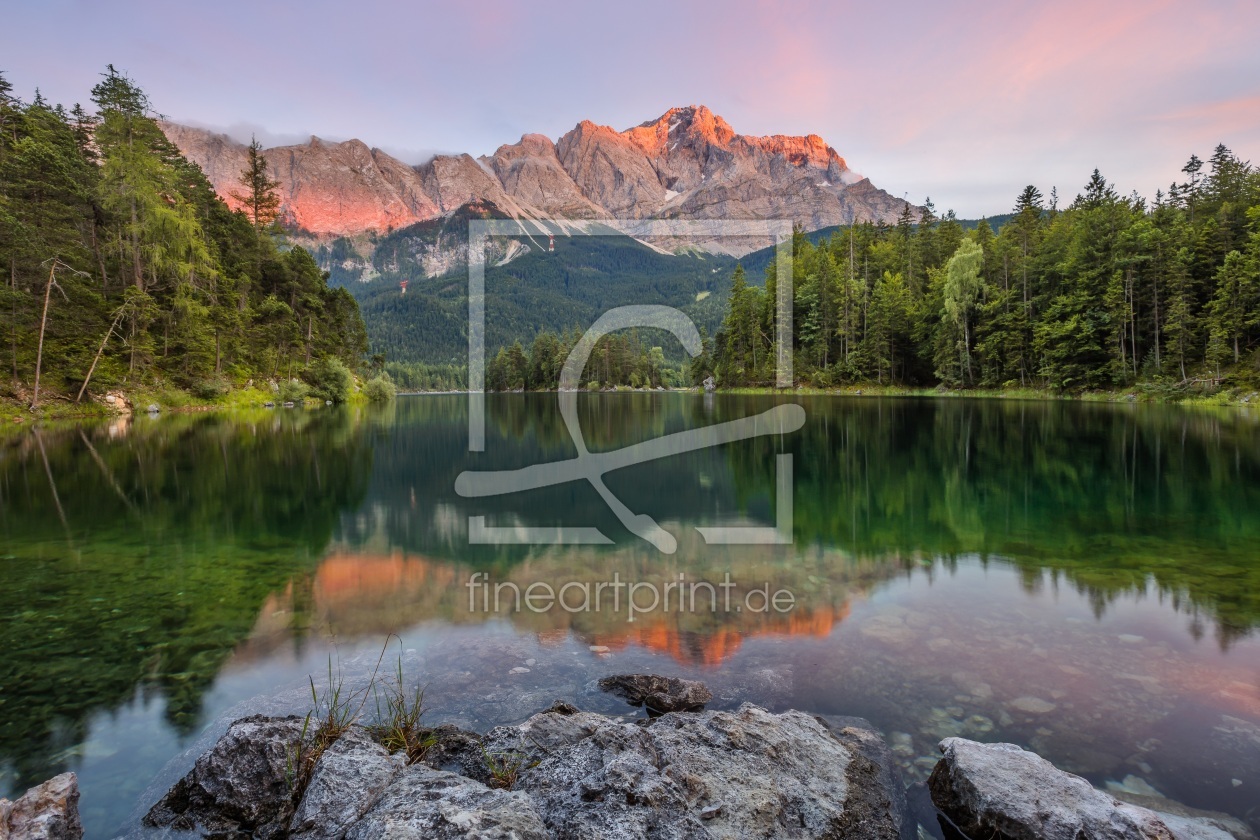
[680,772]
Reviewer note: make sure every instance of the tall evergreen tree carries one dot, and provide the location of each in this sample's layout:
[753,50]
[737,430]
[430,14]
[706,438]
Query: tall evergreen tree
[259,199]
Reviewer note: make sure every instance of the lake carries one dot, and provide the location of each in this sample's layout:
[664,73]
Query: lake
[1080,579]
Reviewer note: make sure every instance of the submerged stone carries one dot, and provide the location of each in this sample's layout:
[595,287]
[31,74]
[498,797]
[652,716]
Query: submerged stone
[1005,792]
[658,694]
[1032,705]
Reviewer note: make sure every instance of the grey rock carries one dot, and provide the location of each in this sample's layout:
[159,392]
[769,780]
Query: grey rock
[610,783]
[658,694]
[1174,814]
[46,812]
[572,774]
[1004,791]
[244,784]
[877,777]
[347,781]
[435,805]
[455,750]
[748,773]
[154,408]
[710,384]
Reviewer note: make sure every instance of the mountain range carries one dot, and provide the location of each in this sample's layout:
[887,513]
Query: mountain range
[686,164]
[377,224]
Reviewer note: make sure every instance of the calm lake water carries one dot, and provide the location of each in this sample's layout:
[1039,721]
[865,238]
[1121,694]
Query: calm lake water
[1080,579]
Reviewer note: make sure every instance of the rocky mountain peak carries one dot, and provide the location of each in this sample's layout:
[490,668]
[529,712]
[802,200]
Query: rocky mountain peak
[677,125]
[688,163]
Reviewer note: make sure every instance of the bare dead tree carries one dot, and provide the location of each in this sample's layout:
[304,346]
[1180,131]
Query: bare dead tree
[54,265]
[118,316]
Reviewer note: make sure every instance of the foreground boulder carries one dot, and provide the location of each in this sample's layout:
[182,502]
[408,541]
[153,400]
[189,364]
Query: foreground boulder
[560,774]
[715,774]
[349,778]
[47,812]
[747,773]
[245,784]
[1003,792]
[658,694]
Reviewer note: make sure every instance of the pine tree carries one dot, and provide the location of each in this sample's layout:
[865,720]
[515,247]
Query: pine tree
[1179,324]
[259,199]
[891,312]
[1234,301]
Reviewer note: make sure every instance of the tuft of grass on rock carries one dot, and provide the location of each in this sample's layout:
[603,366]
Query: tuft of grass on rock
[398,712]
[505,766]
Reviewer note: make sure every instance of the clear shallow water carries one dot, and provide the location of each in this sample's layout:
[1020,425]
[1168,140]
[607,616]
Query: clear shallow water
[1080,579]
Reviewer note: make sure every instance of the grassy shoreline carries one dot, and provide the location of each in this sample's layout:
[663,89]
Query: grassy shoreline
[1132,395]
[55,408]
[14,413]
[1147,395]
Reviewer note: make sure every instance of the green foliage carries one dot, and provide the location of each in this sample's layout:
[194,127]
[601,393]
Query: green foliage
[293,390]
[380,389]
[1108,292]
[618,359]
[330,379]
[169,285]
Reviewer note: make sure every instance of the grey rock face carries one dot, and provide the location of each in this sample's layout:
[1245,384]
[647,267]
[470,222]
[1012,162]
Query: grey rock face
[435,805]
[747,773]
[245,783]
[47,812]
[1003,791]
[347,780]
[571,774]
[658,694]
[876,778]
[687,163]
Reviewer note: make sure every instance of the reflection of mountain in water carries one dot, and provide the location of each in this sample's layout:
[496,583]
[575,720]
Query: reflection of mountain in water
[361,595]
[137,556]
[1109,495]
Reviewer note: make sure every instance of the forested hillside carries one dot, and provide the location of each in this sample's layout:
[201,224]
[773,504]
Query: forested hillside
[539,290]
[1110,291]
[122,267]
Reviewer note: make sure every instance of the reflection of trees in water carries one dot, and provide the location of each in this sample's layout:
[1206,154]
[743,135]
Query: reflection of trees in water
[1107,497]
[174,533]
[412,489]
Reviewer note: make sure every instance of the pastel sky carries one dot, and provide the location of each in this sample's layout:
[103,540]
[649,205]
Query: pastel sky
[964,102]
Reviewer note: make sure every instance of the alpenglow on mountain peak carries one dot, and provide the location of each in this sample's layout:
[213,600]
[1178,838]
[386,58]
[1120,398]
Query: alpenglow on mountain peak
[688,163]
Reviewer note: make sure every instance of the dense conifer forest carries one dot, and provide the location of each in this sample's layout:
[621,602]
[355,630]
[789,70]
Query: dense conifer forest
[1108,292]
[122,267]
